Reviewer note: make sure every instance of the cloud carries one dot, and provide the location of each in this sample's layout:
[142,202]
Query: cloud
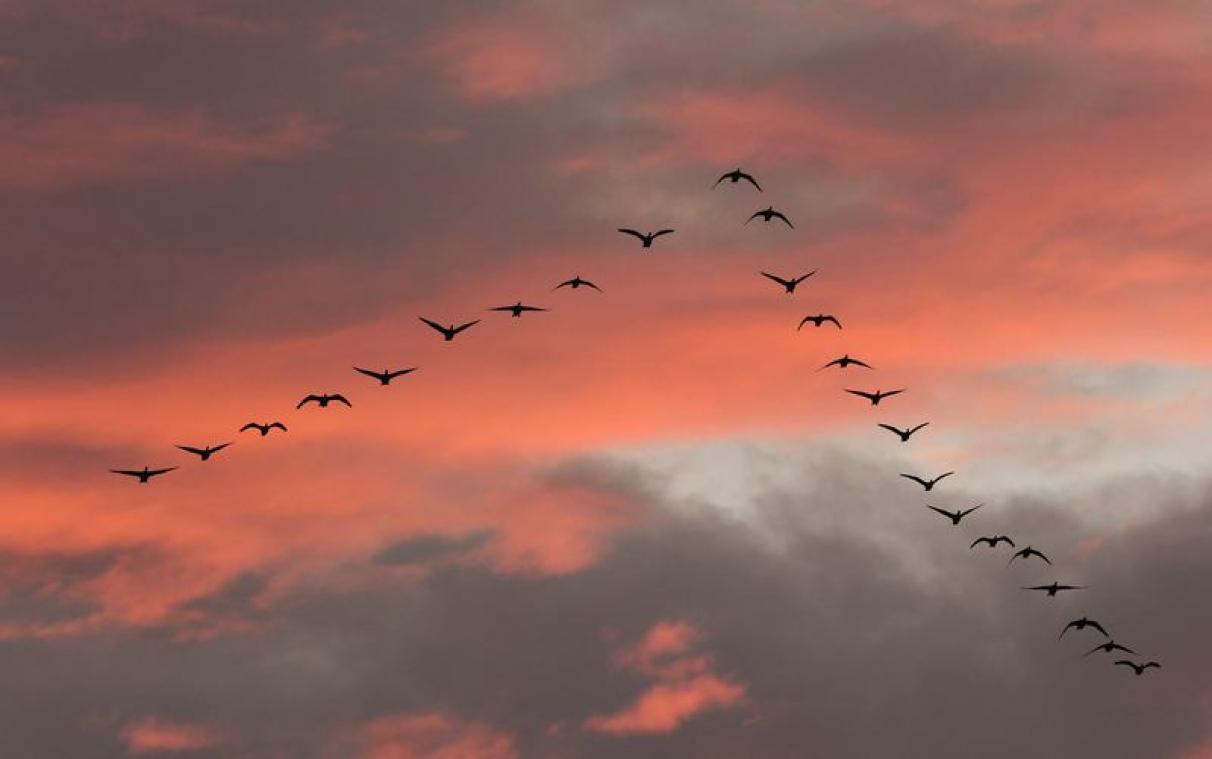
[152,735]
[431,735]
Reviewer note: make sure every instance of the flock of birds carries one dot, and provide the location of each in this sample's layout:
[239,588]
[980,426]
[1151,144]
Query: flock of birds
[789,285]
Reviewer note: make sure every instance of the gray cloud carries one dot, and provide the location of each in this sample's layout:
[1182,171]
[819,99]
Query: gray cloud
[426,548]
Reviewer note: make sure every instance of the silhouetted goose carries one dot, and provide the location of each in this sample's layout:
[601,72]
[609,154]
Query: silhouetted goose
[735,176]
[818,320]
[516,309]
[448,333]
[843,361]
[1082,624]
[1139,669]
[904,435]
[875,397]
[144,475]
[263,428]
[992,541]
[789,284]
[927,484]
[954,516]
[1055,588]
[385,377]
[1027,553]
[769,213]
[1108,647]
[203,453]
[324,399]
[576,282]
[645,239]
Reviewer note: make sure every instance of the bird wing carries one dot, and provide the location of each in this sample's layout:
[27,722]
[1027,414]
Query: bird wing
[861,394]
[802,277]
[941,476]
[279,425]
[462,327]
[756,214]
[891,429]
[779,215]
[915,429]
[250,426]
[565,283]
[369,373]
[660,232]
[1118,647]
[1151,664]
[340,399]
[1008,540]
[969,511]
[219,447]
[860,363]
[1039,554]
[308,399]
[500,308]
[1133,665]
[834,362]
[751,181]
[1098,627]
[982,540]
[128,472]
[154,472]
[721,179]
[944,512]
[893,392]
[191,449]
[633,233]
[834,320]
[773,278]
[400,372]
[1066,629]
[804,321]
[915,478]
[434,324]
[531,308]
[587,283]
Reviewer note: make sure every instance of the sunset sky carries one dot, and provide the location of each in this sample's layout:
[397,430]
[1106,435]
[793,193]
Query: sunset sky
[642,524]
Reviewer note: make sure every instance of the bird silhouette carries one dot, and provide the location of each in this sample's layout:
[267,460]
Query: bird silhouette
[843,361]
[1055,588]
[386,376]
[576,282]
[818,320]
[1139,669]
[203,453]
[927,484]
[517,309]
[263,428]
[1108,647]
[1027,553]
[645,239]
[1082,624]
[324,399]
[735,176]
[875,397]
[144,475]
[448,333]
[904,435]
[954,516]
[789,284]
[992,541]
[769,213]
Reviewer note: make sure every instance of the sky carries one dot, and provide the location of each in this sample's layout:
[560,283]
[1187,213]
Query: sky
[642,523]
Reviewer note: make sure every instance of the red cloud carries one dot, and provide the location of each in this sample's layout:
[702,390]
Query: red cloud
[152,734]
[431,735]
[488,61]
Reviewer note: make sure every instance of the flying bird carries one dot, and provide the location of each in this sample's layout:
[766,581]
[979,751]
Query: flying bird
[386,376]
[1139,669]
[576,282]
[818,320]
[843,361]
[788,284]
[904,434]
[263,428]
[645,239]
[1082,624]
[324,399]
[1108,647]
[927,484]
[992,541]
[768,214]
[735,176]
[448,333]
[1027,553]
[954,516]
[203,453]
[517,309]
[875,397]
[1054,588]
[143,476]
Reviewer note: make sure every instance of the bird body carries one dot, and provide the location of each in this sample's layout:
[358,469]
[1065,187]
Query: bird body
[448,333]
[992,541]
[1082,624]
[203,453]
[324,399]
[645,239]
[876,397]
[954,516]
[386,376]
[577,282]
[769,213]
[735,176]
[789,284]
[927,484]
[904,435]
[1108,647]
[517,309]
[1027,553]
[263,428]
[1055,588]
[143,475]
[1139,669]
[843,361]
[818,320]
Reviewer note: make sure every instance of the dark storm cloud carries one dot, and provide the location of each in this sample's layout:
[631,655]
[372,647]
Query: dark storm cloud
[840,606]
[426,548]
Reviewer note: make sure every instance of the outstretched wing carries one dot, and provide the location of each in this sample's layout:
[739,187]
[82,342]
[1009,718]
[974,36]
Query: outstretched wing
[751,181]
[834,320]
[340,399]
[801,278]
[128,472]
[307,400]
[191,449]
[982,540]
[565,283]
[462,327]
[433,324]
[279,425]
[633,233]
[941,476]
[250,426]
[915,478]
[944,512]
[1037,553]
[892,392]
[400,372]
[756,214]
[377,375]
[1150,664]
[890,428]
[660,232]
[156,472]
[834,362]
[779,215]
[773,278]
[587,283]
[864,364]
[219,447]
[1066,629]
[862,394]
[531,308]
[1007,539]
[1098,627]
[500,308]
[1133,665]
[915,429]
[804,321]
[969,511]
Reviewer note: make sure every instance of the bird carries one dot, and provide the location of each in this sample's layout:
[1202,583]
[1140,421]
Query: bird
[768,214]
[576,282]
[448,333]
[875,397]
[735,176]
[1082,624]
[1108,647]
[788,284]
[1027,553]
[204,453]
[386,376]
[954,516]
[1054,588]
[517,309]
[263,428]
[992,541]
[645,239]
[844,361]
[818,320]
[1139,669]
[324,399]
[904,434]
[927,484]
[143,476]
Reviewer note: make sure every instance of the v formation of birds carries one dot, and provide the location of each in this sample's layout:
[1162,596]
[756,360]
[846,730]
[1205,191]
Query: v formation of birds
[647,239]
